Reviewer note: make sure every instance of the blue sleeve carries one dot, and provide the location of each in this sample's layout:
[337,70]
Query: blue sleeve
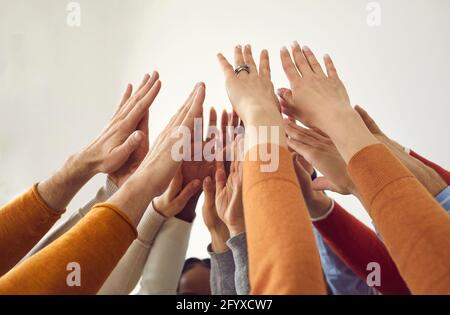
[444,199]
[340,279]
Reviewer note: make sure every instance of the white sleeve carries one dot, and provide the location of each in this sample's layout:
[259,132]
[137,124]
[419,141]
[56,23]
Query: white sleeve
[165,262]
[128,271]
[102,195]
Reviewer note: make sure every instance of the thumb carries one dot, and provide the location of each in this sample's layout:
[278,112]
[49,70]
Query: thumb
[123,151]
[323,183]
[368,121]
[187,193]
[286,96]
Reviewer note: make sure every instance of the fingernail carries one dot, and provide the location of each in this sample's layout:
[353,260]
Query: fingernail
[137,136]
[327,56]
[238,46]
[248,46]
[306,48]
[284,48]
[295,44]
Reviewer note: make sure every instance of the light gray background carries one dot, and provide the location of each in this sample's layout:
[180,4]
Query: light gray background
[60,85]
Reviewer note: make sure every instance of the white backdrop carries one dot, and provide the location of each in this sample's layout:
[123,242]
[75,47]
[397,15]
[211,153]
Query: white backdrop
[59,85]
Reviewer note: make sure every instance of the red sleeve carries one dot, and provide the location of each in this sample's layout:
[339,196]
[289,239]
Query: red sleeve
[357,246]
[441,171]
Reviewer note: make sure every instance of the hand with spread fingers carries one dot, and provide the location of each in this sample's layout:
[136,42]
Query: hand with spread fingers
[159,167]
[250,90]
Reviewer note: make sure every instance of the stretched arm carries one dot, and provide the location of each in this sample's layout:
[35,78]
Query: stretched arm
[274,243]
[414,227]
[128,271]
[103,236]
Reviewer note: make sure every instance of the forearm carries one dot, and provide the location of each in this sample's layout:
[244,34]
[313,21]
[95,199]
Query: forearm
[165,262]
[238,246]
[58,190]
[338,227]
[445,175]
[99,239]
[222,272]
[414,228]
[23,222]
[128,271]
[274,241]
[102,195]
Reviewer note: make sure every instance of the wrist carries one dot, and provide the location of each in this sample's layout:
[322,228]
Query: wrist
[236,229]
[319,206]
[219,238]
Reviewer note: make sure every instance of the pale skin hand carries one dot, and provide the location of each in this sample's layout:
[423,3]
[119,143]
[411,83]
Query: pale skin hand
[317,202]
[321,152]
[228,197]
[107,153]
[320,100]
[216,227]
[158,168]
[175,198]
[252,95]
[426,175]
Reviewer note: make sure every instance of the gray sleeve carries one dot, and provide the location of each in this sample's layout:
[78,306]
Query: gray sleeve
[238,245]
[222,273]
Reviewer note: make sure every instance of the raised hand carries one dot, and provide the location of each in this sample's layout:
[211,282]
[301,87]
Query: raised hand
[216,227]
[175,198]
[228,197]
[320,100]
[159,167]
[252,94]
[124,135]
[317,202]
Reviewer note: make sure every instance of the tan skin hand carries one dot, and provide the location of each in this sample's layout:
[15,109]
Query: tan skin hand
[175,198]
[317,202]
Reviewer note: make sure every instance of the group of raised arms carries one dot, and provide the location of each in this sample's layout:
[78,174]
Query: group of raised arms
[264,170]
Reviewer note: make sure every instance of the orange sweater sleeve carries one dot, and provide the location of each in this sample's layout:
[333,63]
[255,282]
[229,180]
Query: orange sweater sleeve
[23,222]
[415,229]
[96,244]
[283,257]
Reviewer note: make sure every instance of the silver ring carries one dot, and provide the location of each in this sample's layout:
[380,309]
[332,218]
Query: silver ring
[239,69]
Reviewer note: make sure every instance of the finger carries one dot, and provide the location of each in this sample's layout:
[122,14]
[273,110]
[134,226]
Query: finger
[329,65]
[143,124]
[209,191]
[144,81]
[289,67]
[305,164]
[176,184]
[146,85]
[312,60]
[238,56]
[370,123]
[223,127]
[187,193]
[143,105]
[220,178]
[297,134]
[123,151]
[227,68]
[322,183]
[300,59]
[286,96]
[196,108]
[264,65]
[211,124]
[298,167]
[299,147]
[126,95]
[234,119]
[248,59]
